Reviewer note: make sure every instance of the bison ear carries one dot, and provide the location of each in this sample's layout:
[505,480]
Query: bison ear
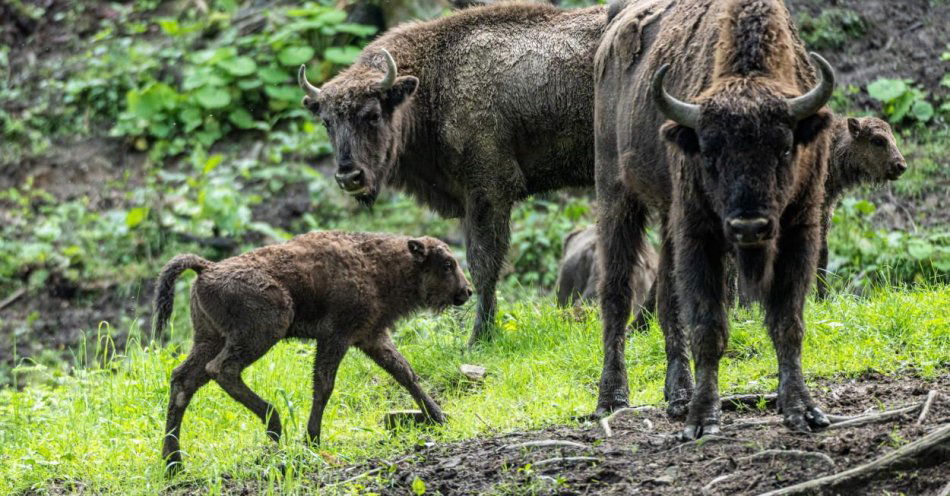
[854,127]
[310,104]
[683,137]
[402,89]
[810,127]
[418,250]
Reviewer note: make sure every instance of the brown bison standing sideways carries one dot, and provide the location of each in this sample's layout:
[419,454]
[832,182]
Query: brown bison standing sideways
[740,170]
[342,289]
[469,114]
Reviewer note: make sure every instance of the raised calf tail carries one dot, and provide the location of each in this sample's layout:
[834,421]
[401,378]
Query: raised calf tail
[165,292]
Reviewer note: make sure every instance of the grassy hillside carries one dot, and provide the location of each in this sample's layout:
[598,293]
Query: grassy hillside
[99,429]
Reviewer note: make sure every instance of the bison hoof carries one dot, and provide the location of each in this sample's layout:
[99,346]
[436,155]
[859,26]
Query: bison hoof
[678,405]
[810,420]
[173,467]
[694,432]
[606,409]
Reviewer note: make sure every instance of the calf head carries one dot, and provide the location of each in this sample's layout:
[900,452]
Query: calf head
[872,152]
[362,109]
[745,149]
[443,282]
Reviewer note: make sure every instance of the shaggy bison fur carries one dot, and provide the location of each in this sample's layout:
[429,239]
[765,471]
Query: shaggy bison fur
[341,289]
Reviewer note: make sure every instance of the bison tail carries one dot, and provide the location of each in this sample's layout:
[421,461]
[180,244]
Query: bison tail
[165,292]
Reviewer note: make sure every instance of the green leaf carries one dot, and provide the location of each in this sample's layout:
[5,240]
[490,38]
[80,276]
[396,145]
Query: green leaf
[418,487]
[900,106]
[295,55]
[191,118]
[170,26]
[242,118]
[211,97]
[250,84]
[885,90]
[201,76]
[332,17]
[135,216]
[920,249]
[865,207]
[239,66]
[273,75]
[342,55]
[285,93]
[212,162]
[922,110]
[355,29]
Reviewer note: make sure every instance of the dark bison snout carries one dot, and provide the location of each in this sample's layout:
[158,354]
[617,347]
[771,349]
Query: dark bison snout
[352,181]
[749,230]
[896,169]
[462,296]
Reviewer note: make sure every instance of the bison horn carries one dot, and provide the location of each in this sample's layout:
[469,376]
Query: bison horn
[686,114]
[390,77]
[809,103]
[309,89]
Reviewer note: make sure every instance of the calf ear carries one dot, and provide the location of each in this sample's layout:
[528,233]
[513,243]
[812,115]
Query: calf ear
[810,127]
[418,250]
[683,137]
[402,89]
[854,127]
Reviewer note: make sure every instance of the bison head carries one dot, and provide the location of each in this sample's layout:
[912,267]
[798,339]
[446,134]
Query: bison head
[744,144]
[443,282]
[872,153]
[362,109]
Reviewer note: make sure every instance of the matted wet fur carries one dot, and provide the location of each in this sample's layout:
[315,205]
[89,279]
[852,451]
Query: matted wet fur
[739,168]
[486,107]
[341,289]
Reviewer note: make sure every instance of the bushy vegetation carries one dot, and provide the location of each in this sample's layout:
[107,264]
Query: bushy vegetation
[99,429]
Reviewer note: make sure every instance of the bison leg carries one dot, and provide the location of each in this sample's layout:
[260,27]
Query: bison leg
[821,285]
[187,378]
[678,389]
[641,323]
[241,350]
[620,238]
[385,354]
[326,362]
[700,293]
[783,314]
[486,239]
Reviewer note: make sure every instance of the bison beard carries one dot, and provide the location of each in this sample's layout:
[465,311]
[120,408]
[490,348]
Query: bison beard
[739,174]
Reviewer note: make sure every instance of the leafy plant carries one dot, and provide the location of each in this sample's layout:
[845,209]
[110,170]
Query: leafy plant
[832,28]
[537,236]
[900,100]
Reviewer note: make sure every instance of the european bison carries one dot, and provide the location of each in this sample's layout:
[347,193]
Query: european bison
[740,171]
[469,114]
[579,271]
[863,151]
[342,289]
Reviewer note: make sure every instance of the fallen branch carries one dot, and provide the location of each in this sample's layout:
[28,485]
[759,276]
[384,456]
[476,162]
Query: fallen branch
[369,472]
[605,422]
[769,422]
[874,418]
[547,443]
[708,487]
[931,396]
[930,450]
[734,401]
[567,459]
[12,298]
[945,491]
[771,454]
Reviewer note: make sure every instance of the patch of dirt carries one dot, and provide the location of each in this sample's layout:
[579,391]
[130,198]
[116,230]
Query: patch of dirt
[904,39]
[644,455]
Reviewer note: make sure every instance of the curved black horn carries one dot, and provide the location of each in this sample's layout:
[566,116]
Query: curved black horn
[309,89]
[686,114]
[809,103]
[390,77]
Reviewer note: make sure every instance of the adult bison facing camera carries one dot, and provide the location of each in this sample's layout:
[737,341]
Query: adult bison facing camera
[469,114]
[741,170]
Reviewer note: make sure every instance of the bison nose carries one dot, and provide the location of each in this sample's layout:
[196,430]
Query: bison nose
[353,181]
[463,296]
[897,168]
[749,230]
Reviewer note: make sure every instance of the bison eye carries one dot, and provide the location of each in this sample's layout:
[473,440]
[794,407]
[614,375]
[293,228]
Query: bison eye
[447,265]
[878,141]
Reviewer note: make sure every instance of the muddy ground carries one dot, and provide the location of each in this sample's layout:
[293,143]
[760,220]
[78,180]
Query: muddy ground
[644,455]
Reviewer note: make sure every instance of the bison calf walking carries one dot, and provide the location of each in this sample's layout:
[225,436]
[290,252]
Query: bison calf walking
[342,289]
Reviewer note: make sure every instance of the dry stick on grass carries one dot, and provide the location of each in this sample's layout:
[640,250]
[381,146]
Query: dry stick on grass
[776,453]
[927,451]
[566,459]
[370,472]
[931,396]
[769,422]
[547,443]
[875,418]
[708,487]
[605,422]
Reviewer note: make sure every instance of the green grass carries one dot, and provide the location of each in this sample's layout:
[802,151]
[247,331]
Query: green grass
[99,429]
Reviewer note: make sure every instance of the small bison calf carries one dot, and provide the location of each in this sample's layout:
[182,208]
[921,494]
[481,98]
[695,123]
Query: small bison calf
[579,271]
[342,289]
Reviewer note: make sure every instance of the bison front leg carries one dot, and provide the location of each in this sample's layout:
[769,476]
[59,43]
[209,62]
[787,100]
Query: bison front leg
[678,389]
[486,240]
[619,238]
[700,291]
[385,354]
[784,317]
